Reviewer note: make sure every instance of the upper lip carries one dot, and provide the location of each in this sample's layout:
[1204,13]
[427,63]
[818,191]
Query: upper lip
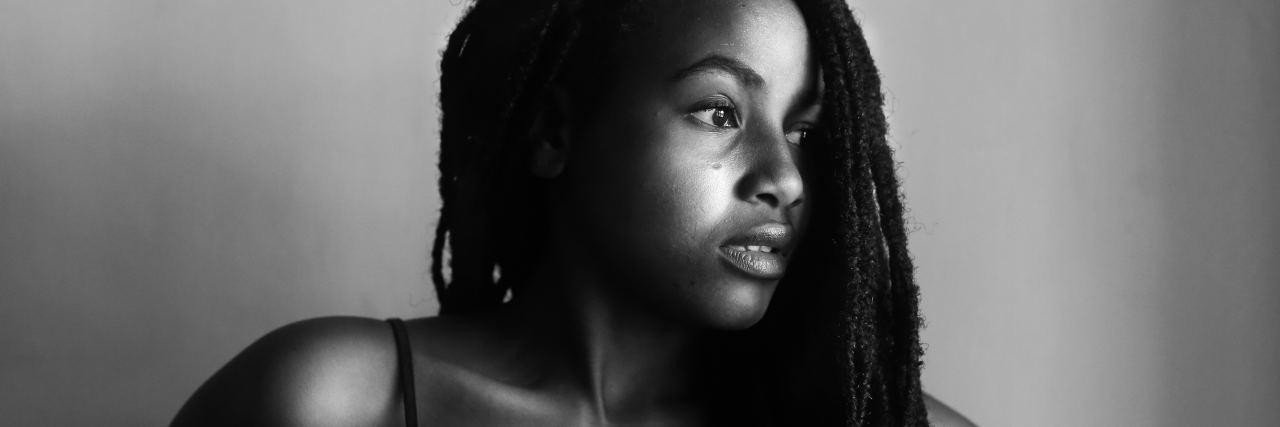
[773,234]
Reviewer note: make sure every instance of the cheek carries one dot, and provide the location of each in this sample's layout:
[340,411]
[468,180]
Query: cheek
[686,195]
[658,196]
[661,181]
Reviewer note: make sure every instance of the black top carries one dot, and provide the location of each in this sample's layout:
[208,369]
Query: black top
[404,358]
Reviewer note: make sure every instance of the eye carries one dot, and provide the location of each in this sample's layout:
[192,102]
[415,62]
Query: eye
[721,116]
[798,136]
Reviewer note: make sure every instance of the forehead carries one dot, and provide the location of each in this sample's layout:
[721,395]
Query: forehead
[767,35]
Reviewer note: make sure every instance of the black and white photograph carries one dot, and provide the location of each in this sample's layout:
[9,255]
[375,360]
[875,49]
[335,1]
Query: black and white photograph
[639,213]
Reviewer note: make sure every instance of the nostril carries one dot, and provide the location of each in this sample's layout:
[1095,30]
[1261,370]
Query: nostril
[771,199]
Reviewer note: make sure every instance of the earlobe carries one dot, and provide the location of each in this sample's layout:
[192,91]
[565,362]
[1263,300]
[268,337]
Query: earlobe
[550,135]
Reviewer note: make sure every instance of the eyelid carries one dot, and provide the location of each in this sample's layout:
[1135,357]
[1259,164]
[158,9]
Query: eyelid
[805,126]
[715,101]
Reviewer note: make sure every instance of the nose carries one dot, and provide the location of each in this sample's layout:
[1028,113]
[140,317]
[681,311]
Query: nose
[773,175]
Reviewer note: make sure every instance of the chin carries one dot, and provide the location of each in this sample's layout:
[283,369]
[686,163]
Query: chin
[739,306]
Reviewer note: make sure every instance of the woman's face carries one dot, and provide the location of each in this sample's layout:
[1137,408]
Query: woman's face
[684,182]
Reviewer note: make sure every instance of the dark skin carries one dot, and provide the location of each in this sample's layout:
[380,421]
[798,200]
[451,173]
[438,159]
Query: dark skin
[651,189]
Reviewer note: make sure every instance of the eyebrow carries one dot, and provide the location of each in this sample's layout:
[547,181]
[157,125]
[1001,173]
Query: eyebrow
[712,63]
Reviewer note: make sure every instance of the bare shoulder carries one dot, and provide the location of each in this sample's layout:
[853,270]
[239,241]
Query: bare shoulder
[942,415]
[324,371]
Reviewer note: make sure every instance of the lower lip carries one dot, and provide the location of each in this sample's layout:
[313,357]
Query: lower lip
[759,265]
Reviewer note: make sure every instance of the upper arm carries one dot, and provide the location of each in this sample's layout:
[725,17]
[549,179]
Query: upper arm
[326,371]
[942,415]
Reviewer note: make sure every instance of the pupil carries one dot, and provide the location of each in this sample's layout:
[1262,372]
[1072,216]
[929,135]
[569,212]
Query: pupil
[718,118]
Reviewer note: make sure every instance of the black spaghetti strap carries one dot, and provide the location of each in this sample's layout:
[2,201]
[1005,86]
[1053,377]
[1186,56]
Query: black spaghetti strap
[404,358]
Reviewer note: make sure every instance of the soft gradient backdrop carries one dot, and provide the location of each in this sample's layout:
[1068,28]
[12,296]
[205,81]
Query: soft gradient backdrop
[1094,188]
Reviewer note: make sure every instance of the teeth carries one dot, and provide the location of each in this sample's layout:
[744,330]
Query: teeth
[754,248]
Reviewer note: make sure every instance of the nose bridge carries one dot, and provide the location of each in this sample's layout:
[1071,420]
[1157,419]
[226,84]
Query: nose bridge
[773,172]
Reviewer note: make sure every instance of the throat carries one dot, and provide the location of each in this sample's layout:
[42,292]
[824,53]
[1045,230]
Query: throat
[615,362]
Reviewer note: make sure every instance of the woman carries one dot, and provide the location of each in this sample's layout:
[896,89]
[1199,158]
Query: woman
[625,186]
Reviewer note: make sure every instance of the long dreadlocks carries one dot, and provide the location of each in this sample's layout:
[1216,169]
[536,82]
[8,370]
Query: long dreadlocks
[840,342]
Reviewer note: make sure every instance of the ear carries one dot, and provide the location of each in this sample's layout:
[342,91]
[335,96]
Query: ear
[550,135]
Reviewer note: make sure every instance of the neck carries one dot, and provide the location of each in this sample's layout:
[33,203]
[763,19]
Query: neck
[620,358]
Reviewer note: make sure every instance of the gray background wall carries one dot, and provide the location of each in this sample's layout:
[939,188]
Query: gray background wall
[1093,187]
